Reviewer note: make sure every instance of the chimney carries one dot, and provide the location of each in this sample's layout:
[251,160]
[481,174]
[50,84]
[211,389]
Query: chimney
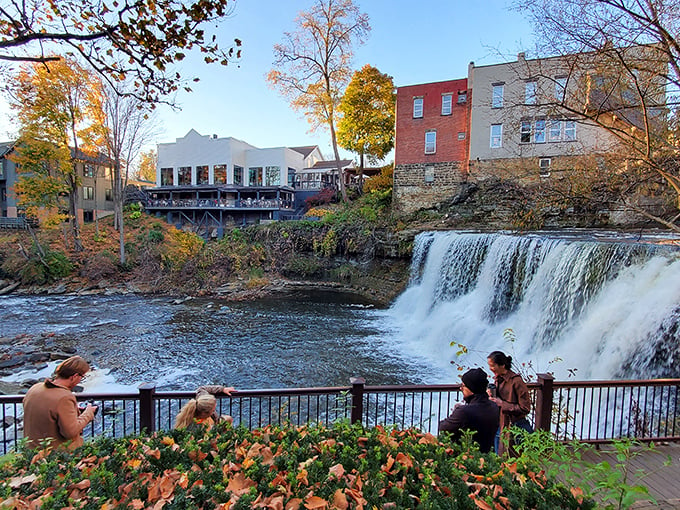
[521,56]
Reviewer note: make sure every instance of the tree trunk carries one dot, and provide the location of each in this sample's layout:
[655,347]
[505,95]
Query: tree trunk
[343,191]
[73,211]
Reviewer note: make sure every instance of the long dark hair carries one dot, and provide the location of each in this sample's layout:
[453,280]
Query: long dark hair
[500,359]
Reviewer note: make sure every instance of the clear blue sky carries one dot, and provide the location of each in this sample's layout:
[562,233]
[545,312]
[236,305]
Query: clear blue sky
[413,42]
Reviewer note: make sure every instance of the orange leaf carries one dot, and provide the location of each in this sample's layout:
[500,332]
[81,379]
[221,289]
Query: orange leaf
[338,470]
[315,502]
[388,465]
[197,455]
[267,456]
[428,439]
[239,484]
[293,504]
[151,453]
[137,504]
[81,485]
[167,487]
[273,502]
[340,500]
[404,460]
[302,477]
[247,463]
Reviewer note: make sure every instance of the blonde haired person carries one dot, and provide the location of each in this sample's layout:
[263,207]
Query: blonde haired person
[51,414]
[200,411]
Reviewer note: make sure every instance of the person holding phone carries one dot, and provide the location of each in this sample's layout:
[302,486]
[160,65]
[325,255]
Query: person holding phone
[51,414]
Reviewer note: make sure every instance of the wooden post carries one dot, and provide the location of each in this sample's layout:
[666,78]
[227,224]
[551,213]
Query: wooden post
[147,414]
[357,391]
[544,401]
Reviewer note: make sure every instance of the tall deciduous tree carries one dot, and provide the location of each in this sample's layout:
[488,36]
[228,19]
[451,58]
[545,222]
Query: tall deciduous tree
[135,41]
[367,124]
[124,127]
[56,105]
[633,87]
[146,169]
[312,65]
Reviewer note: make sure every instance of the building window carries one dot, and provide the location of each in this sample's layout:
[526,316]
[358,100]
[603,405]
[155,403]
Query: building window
[569,130]
[462,96]
[166,176]
[220,174]
[496,136]
[184,176]
[88,193]
[202,174]
[461,135]
[544,167]
[238,175]
[446,104]
[539,131]
[525,131]
[417,107]
[255,176]
[530,92]
[88,171]
[272,176]
[291,177]
[430,142]
[108,195]
[554,130]
[497,96]
[429,173]
[560,88]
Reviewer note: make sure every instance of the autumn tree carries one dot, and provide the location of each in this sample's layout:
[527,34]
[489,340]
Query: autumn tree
[55,106]
[625,77]
[146,169]
[123,41]
[312,65]
[123,127]
[367,123]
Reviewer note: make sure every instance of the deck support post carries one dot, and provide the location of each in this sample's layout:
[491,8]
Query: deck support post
[357,392]
[147,415]
[544,401]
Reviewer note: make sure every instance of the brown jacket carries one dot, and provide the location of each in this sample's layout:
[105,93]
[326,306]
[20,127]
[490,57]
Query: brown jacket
[51,412]
[515,401]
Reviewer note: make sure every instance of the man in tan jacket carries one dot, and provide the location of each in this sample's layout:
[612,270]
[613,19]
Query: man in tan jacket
[51,414]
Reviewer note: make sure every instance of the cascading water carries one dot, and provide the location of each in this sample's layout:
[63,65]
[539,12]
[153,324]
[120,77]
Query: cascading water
[609,307]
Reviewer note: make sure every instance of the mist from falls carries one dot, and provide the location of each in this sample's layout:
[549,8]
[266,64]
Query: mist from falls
[606,307]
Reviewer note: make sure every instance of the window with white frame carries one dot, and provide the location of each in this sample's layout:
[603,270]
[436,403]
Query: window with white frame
[446,104]
[554,130]
[88,170]
[569,130]
[430,142]
[220,174]
[108,195]
[560,88]
[166,176]
[539,131]
[525,131]
[272,175]
[184,175]
[496,136]
[530,92]
[497,95]
[202,174]
[544,167]
[417,107]
[429,173]
[88,193]
[238,175]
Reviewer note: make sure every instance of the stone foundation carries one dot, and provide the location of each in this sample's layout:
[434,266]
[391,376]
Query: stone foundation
[412,192]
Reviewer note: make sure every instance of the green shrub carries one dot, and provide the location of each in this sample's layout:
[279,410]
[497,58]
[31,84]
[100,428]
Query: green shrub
[280,467]
[302,266]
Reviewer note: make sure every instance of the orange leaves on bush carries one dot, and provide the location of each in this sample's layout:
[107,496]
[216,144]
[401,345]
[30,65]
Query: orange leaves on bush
[239,484]
[197,455]
[315,503]
[340,500]
[302,477]
[428,439]
[155,453]
[337,471]
[404,460]
[293,504]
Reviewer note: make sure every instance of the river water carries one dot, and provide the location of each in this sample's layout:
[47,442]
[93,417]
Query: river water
[312,339]
[607,306]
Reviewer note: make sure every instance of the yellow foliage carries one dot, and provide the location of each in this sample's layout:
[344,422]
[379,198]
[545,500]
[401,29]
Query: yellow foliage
[180,247]
[317,212]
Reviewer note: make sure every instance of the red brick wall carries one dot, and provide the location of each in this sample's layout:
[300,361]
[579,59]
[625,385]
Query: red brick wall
[410,132]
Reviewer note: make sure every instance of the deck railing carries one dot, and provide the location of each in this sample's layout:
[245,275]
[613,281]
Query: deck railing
[592,411]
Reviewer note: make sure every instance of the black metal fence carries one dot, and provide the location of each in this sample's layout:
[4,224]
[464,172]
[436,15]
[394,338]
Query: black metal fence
[593,411]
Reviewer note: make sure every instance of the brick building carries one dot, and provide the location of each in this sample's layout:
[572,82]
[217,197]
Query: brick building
[431,144]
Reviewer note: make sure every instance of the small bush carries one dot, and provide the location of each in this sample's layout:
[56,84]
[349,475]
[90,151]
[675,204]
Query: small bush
[302,266]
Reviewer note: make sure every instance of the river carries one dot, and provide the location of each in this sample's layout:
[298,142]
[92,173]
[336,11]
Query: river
[583,304]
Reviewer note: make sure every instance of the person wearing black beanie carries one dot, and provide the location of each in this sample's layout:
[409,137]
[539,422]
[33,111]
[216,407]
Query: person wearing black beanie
[478,414]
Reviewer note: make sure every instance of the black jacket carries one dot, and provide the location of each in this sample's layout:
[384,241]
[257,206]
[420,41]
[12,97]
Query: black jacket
[480,415]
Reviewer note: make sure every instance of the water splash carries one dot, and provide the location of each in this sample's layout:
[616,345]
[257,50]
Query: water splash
[606,307]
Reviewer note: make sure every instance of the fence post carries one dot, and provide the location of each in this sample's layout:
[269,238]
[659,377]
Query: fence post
[147,413]
[357,391]
[544,401]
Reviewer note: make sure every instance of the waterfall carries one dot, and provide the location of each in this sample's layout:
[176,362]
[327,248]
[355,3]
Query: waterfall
[602,307]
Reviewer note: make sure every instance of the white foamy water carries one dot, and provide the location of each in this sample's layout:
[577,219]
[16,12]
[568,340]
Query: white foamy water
[607,308]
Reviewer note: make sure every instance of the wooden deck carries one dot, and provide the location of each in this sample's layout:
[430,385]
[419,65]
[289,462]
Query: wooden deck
[648,469]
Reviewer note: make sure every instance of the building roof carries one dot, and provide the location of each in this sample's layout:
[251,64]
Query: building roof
[325,165]
[305,150]
[6,148]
